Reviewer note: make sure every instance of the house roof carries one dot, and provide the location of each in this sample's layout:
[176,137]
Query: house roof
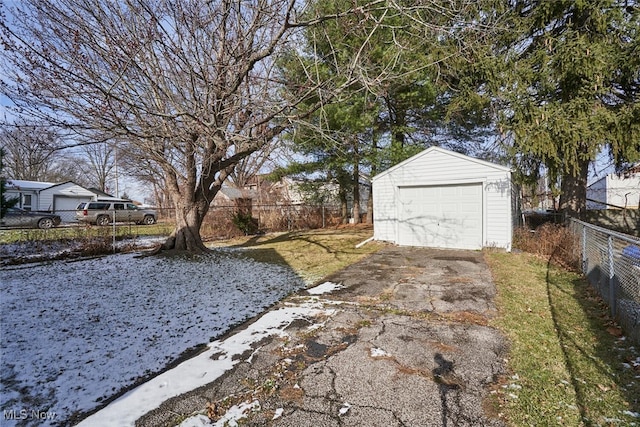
[431,150]
[62,183]
[19,184]
[233,193]
[597,181]
[99,192]
[632,177]
[23,185]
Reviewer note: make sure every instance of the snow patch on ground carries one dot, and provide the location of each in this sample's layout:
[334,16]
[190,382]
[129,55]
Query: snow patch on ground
[39,250]
[76,333]
[200,370]
[278,413]
[378,352]
[324,288]
[230,419]
[345,408]
[196,421]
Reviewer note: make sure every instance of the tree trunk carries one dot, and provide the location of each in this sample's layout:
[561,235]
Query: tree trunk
[356,194]
[186,236]
[573,196]
[374,172]
[344,187]
[344,207]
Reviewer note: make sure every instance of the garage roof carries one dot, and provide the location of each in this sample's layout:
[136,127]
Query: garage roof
[444,151]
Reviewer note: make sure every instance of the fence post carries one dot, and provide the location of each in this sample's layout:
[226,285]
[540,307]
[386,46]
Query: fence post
[612,287]
[113,221]
[585,267]
[324,224]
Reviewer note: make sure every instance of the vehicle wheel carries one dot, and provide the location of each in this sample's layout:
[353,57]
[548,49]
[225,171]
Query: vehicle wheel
[149,220]
[45,223]
[103,220]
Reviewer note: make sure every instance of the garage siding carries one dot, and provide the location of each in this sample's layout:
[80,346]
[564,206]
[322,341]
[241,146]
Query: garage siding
[69,190]
[439,167]
[384,210]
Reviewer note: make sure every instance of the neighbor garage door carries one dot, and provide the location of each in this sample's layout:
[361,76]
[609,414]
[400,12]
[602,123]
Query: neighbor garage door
[66,206]
[444,216]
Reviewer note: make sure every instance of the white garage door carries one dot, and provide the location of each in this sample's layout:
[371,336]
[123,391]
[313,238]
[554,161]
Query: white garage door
[448,216]
[66,206]
[63,203]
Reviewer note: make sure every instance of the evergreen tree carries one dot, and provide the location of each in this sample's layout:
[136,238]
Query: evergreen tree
[570,76]
[392,59]
[4,203]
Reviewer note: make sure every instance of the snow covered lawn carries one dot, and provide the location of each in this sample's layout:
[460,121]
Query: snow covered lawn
[76,333]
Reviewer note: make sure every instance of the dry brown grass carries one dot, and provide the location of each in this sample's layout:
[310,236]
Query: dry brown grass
[466,317]
[551,242]
[291,393]
[313,254]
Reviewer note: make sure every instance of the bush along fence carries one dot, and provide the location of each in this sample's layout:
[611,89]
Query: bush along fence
[223,222]
[611,263]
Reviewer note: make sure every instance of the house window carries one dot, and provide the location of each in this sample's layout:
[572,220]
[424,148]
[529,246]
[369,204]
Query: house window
[26,202]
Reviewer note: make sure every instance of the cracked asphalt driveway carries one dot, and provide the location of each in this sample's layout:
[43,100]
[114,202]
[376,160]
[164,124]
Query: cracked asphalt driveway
[408,344]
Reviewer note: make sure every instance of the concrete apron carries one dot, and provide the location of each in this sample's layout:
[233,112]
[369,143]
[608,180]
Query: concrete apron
[408,345]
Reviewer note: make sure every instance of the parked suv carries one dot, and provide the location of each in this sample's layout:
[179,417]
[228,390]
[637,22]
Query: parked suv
[102,212]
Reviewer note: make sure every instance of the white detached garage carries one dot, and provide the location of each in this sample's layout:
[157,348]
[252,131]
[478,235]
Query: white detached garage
[442,199]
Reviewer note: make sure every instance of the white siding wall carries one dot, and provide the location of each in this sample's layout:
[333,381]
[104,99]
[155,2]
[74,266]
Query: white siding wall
[19,194]
[623,192]
[385,212]
[614,190]
[597,191]
[68,189]
[437,166]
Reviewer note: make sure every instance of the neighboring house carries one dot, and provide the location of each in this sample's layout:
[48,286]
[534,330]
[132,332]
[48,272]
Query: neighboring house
[27,193]
[284,191]
[64,197]
[615,192]
[539,197]
[100,194]
[439,198]
[296,192]
[263,191]
[230,196]
[48,197]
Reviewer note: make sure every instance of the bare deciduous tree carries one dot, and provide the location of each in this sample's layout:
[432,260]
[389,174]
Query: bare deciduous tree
[249,167]
[30,152]
[101,161]
[72,167]
[135,164]
[191,84]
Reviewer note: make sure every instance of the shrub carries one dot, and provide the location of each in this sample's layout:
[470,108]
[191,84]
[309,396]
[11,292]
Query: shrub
[552,242]
[245,223]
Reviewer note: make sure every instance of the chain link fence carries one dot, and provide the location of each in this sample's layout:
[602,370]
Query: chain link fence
[221,222]
[611,263]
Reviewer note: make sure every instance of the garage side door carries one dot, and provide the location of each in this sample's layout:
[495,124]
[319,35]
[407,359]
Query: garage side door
[446,216]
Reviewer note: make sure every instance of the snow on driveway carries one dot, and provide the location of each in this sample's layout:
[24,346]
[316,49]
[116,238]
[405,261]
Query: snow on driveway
[76,333]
